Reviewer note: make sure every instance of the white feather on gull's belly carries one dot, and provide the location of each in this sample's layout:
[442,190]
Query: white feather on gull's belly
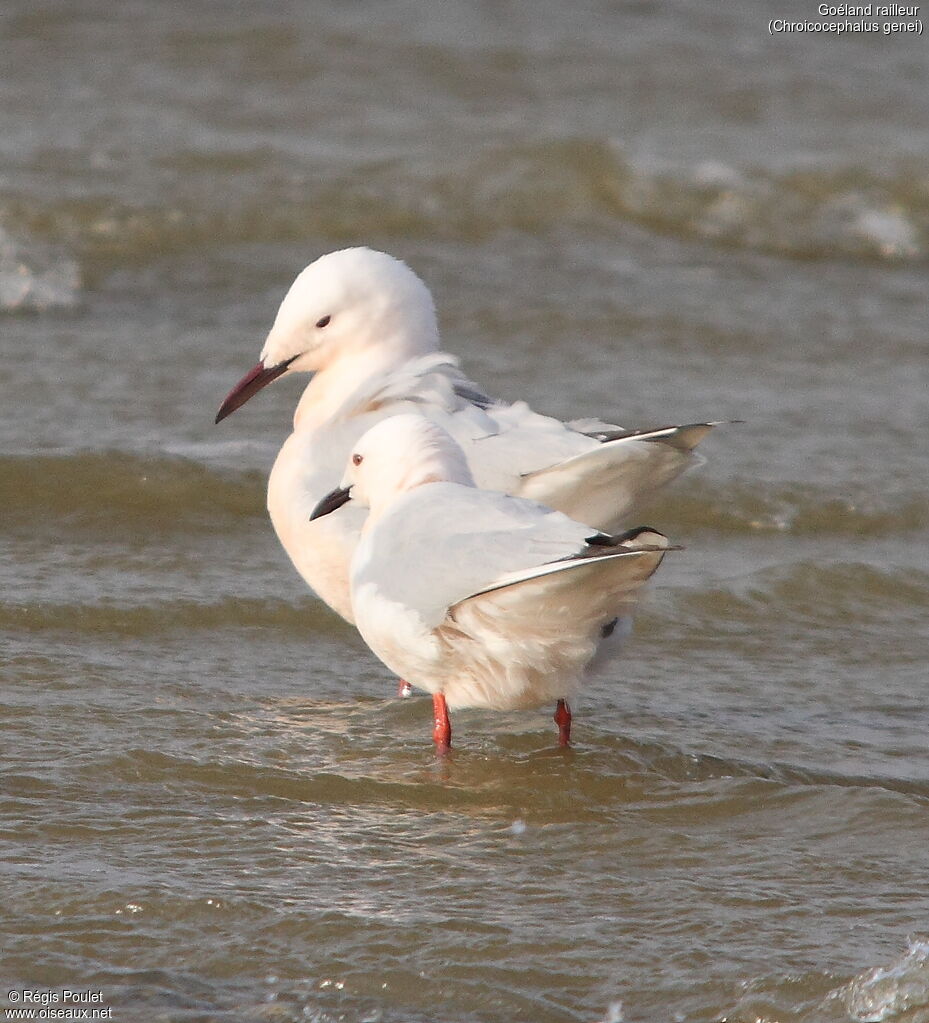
[400,639]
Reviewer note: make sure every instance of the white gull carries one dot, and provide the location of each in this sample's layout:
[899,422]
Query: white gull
[482,599]
[365,325]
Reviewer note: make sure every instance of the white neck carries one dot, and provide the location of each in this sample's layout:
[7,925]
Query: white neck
[427,465]
[339,388]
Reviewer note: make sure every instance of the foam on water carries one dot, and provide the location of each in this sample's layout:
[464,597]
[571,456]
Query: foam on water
[33,279]
[899,991]
[589,183]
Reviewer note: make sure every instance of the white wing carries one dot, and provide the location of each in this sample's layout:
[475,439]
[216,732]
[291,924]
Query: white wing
[592,471]
[607,483]
[443,542]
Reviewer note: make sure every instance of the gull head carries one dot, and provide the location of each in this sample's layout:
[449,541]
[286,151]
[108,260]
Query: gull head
[354,307]
[396,455]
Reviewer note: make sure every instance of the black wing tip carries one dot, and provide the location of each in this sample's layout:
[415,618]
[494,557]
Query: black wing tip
[598,541]
[474,396]
[636,532]
[617,539]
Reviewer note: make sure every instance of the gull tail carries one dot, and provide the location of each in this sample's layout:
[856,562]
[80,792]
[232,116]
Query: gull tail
[628,560]
[560,620]
[605,485]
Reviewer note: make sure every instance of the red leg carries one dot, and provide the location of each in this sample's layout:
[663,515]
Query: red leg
[403,688]
[442,726]
[563,721]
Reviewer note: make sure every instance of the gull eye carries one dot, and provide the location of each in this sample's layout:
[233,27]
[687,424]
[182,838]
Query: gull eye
[357,459]
[324,322]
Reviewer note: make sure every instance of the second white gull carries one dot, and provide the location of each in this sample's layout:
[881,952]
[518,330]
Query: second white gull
[482,599]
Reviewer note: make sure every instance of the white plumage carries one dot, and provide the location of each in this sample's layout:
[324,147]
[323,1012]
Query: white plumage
[482,599]
[365,325]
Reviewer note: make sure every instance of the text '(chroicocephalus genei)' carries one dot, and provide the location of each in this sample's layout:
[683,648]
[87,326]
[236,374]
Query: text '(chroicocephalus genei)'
[365,325]
[482,599]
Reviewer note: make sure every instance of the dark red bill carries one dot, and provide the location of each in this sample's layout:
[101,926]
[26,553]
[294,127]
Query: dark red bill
[253,381]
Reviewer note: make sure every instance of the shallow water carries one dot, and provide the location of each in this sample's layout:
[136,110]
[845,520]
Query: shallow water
[211,807]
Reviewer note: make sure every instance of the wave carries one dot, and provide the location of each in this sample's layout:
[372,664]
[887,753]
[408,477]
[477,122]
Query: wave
[603,772]
[116,491]
[36,277]
[814,594]
[884,994]
[809,212]
[609,754]
[896,991]
[809,602]
[167,616]
[793,508]
[127,490]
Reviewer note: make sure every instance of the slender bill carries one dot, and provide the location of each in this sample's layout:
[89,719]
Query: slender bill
[253,381]
[334,499]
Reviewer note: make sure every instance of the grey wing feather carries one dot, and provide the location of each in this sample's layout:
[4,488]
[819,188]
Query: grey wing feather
[635,543]
[444,542]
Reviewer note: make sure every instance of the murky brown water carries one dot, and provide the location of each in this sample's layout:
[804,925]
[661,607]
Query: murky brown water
[211,807]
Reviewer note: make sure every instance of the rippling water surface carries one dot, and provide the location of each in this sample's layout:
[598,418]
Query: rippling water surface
[211,807]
